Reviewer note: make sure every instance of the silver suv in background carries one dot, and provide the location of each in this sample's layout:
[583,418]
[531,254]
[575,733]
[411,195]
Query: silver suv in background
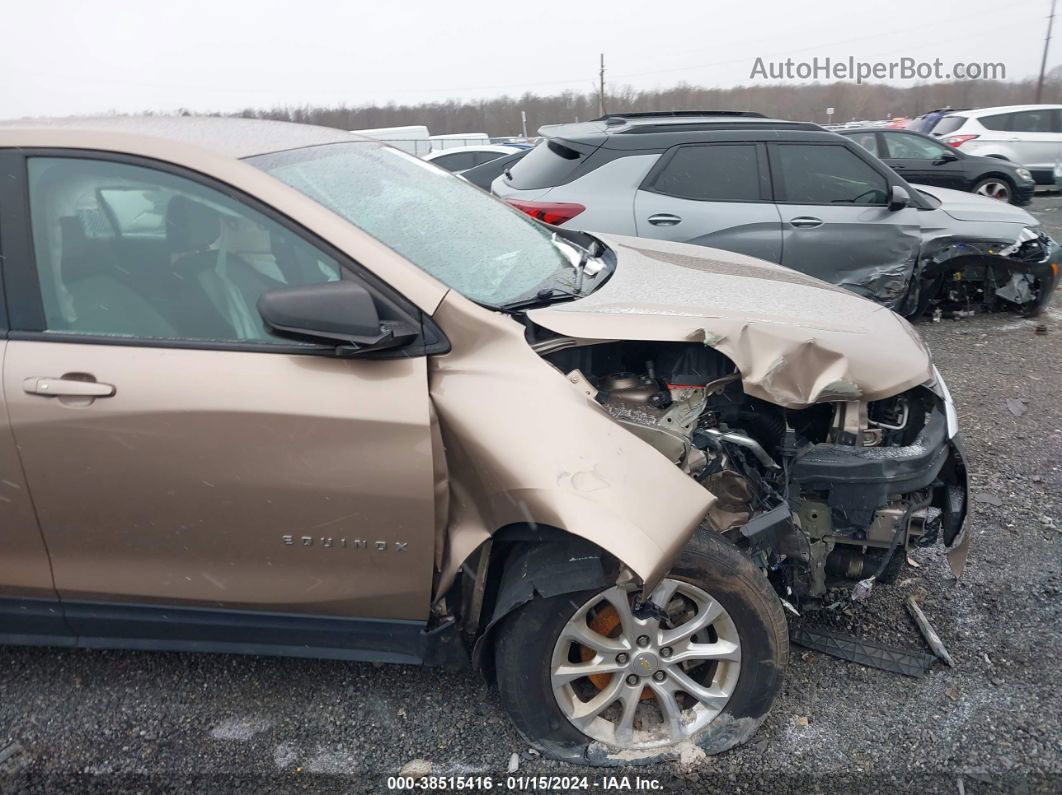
[1027,134]
[790,193]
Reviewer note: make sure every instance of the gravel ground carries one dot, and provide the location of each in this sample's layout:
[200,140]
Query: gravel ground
[126,720]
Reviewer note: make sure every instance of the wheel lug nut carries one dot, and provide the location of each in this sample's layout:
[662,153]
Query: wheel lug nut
[665,652]
[660,676]
[632,680]
[622,658]
[643,640]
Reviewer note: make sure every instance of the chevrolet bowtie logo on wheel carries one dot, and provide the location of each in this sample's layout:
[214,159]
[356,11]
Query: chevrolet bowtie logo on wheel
[343,543]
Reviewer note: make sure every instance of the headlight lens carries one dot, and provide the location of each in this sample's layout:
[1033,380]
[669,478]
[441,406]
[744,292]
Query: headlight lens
[1024,174]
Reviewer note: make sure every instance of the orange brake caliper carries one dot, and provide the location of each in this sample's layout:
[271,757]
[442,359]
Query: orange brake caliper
[605,623]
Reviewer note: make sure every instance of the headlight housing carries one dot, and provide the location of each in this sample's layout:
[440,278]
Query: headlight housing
[1031,245]
[1024,174]
[937,386]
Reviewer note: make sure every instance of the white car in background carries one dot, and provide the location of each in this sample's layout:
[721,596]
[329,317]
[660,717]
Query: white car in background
[1027,134]
[462,158]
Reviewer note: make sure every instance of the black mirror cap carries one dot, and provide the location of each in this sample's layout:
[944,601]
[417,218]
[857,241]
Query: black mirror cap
[341,312]
[898,198]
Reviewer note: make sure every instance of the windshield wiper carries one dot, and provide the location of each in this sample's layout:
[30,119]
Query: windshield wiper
[544,297]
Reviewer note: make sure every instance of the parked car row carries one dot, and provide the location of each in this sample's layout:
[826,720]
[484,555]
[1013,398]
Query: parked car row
[792,193]
[272,389]
[1030,135]
[1023,136]
[925,160]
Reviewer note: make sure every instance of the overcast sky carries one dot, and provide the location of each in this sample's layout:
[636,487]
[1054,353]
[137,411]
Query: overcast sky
[65,57]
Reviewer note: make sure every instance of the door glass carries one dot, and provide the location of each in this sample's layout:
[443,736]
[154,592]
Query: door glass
[134,252]
[869,141]
[722,173]
[828,174]
[486,157]
[1035,121]
[458,161]
[1000,121]
[913,147]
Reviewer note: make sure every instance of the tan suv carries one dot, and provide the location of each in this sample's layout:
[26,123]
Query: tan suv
[276,389]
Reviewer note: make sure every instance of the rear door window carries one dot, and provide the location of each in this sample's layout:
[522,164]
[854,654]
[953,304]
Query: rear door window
[1044,120]
[913,147]
[869,141]
[827,174]
[1000,121]
[712,172]
[549,164]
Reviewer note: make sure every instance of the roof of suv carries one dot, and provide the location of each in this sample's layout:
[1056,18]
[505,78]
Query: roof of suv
[234,137]
[655,130]
[977,113]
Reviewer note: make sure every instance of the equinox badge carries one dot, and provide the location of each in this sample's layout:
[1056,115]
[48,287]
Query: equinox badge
[343,543]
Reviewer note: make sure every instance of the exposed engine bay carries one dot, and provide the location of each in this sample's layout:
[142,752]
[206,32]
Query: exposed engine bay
[828,494]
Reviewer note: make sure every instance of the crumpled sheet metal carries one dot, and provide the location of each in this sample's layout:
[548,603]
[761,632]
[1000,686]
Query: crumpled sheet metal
[888,285]
[523,445]
[780,369]
[795,340]
[872,259]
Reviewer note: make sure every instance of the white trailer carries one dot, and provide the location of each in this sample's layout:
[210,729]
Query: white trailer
[450,140]
[413,138]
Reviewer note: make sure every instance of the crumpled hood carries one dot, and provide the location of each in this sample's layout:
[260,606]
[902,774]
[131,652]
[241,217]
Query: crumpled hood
[964,206]
[796,340]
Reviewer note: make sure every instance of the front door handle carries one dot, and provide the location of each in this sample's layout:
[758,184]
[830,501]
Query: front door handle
[66,387]
[806,222]
[664,219]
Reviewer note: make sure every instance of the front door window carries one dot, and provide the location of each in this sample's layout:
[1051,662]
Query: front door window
[129,251]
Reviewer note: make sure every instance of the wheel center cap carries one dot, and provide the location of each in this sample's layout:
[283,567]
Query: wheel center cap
[645,664]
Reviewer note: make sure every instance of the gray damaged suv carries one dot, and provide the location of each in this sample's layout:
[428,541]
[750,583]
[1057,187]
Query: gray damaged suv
[791,193]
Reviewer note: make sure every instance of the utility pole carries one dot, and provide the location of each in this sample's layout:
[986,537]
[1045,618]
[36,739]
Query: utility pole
[1043,62]
[601,87]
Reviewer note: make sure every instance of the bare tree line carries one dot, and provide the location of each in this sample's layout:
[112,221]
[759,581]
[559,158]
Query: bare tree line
[501,115]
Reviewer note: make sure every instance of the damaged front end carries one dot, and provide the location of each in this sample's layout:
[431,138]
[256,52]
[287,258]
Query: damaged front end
[819,495]
[960,276]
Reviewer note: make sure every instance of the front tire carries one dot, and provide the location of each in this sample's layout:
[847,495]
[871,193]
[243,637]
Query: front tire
[587,679]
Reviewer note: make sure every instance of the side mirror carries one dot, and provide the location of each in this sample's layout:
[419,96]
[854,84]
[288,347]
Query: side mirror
[341,313]
[898,198]
[946,157]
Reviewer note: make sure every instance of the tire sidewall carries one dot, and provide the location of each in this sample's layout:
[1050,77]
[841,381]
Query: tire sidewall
[528,636]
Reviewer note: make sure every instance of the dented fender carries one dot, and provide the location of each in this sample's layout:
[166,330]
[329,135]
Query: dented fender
[523,445]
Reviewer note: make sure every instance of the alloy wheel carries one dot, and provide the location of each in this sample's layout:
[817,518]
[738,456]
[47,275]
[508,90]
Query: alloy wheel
[646,675]
[994,189]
